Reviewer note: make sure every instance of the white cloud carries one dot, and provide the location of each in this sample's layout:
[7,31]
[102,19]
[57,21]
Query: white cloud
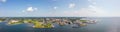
[91,6]
[71,5]
[92,1]
[30,9]
[35,8]
[82,12]
[87,12]
[55,7]
[3,0]
[23,10]
[90,11]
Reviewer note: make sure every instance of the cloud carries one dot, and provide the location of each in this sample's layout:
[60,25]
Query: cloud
[82,12]
[30,9]
[35,8]
[71,5]
[90,11]
[99,12]
[3,0]
[55,7]
[92,1]
[92,6]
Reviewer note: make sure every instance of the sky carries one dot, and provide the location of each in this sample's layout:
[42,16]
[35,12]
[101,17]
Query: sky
[59,8]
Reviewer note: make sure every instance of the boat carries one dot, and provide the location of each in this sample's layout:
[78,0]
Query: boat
[75,26]
[91,21]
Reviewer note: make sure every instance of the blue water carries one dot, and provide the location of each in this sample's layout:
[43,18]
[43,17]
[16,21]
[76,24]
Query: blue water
[102,25]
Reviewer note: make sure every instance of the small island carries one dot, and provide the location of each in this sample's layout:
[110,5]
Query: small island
[15,22]
[48,22]
[2,19]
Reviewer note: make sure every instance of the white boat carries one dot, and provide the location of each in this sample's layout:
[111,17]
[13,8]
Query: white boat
[75,26]
[91,21]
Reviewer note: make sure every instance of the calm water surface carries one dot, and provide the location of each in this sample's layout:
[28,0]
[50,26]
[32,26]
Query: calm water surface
[102,25]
